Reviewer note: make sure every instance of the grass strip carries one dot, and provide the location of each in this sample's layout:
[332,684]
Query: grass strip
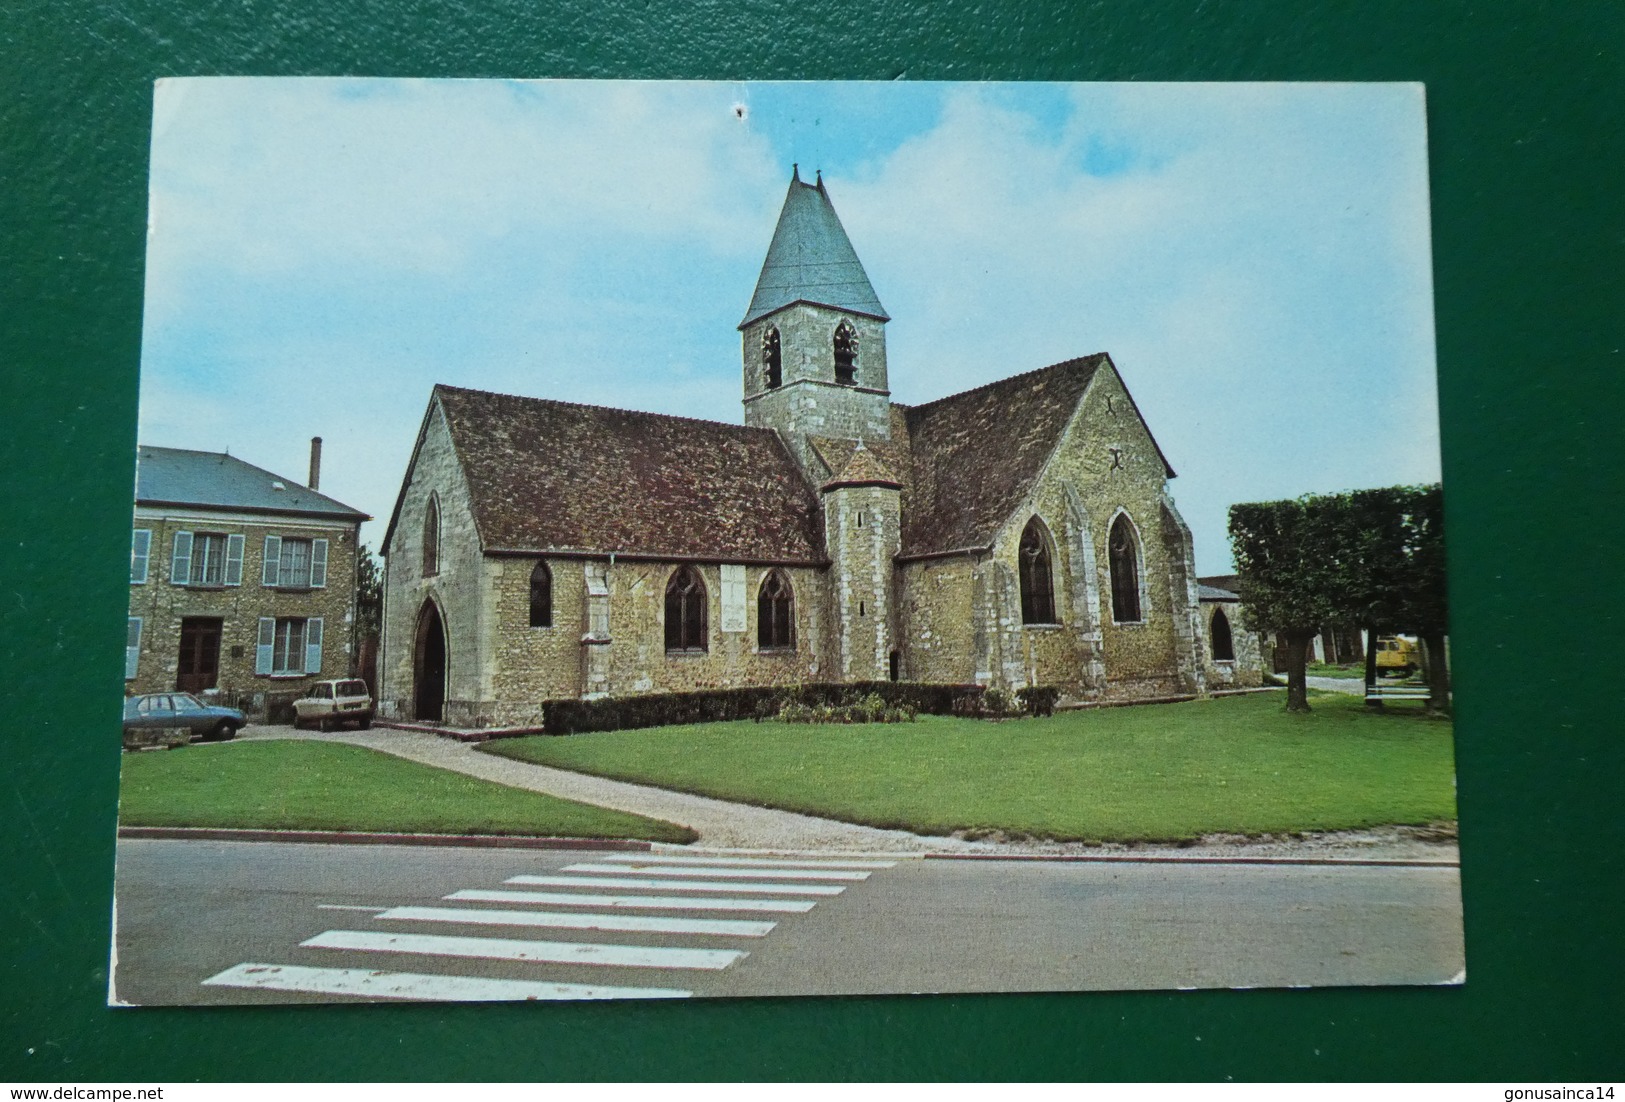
[298,785]
[1155,773]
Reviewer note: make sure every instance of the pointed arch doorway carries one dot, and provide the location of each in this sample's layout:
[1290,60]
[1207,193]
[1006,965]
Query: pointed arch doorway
[429,665]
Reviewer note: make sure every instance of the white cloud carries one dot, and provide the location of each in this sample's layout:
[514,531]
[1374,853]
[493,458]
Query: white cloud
[1255,258]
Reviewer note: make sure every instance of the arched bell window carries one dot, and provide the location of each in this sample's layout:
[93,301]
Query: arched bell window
[431,538]
[772,359]
[685,612]
[846,354]
[775,613]
[1125,567]
[541,596]
[1037,577]
[1224,646]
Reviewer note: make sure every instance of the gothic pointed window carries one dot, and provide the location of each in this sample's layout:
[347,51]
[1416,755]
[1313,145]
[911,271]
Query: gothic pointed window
[541,596]
[775,613]
[431,538]
[1037,579]
[846,354]
[1224,647]
[772,360]
[685,612]
[1125,567]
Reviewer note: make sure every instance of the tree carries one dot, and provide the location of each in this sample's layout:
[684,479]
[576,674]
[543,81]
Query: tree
[1372,557]
[369,610]
[1286,553]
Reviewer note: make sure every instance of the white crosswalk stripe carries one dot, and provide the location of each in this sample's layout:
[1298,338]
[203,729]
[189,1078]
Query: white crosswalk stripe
[642,924]
[596,900]
[725,874]
[420,987]
[652,902]
[742,862]
[673,885]
[552,952]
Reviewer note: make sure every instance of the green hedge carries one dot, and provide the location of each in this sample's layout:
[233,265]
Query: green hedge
[565,717]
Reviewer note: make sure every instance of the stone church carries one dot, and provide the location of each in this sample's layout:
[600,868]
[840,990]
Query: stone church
[1017,534]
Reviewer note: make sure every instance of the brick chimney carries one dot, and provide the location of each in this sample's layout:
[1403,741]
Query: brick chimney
[315,462]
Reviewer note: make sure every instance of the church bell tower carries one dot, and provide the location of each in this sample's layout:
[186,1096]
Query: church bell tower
[814,337]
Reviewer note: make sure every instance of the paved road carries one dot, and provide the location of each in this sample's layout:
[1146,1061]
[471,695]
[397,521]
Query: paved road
[228,922]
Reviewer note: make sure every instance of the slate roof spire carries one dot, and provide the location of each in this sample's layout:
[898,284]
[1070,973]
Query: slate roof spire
[811,259]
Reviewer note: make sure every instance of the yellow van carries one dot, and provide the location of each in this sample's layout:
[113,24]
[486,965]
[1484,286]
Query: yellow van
[1397,656]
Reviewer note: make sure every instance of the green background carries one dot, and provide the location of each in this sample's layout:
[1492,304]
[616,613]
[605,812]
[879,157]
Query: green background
[1525,125]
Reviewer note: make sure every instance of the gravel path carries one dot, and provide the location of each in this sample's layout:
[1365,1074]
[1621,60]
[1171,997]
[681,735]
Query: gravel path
[1337,685]
[722,824]
[719,823]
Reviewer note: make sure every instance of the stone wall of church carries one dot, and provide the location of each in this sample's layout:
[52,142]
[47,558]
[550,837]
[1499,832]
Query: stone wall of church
[571,658]
[458,588]
[1246,670]
[1106,465]
[935,616]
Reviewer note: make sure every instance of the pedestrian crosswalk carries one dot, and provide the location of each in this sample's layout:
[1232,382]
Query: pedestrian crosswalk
[605,899]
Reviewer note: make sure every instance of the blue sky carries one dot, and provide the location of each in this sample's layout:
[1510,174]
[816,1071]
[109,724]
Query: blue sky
[1255,257]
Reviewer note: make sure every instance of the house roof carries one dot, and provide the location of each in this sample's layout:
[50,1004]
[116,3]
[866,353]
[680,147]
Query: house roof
[811,259]
[548,476]
[213,480]
[974,456]
[1207,592]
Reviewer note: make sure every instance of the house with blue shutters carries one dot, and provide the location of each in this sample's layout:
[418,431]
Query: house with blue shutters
[242,582]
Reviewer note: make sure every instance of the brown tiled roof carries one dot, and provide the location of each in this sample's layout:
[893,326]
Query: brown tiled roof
[836,454]
[864,468]
[974,456]
[555,476]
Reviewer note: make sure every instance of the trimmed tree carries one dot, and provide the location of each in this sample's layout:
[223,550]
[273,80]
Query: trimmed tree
[1286,553]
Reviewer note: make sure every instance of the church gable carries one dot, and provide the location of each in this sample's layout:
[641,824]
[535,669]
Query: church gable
[975,456]
[556,477]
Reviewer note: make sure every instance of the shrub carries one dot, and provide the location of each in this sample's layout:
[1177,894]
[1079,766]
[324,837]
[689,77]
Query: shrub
[817,702]
[1038,700]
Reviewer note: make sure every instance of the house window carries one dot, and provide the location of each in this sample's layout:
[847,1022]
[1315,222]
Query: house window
[1224,647]
[685,612]
[772,359]
[775,613]
[846,354]
[206,559]
[1037,580]
[140,555]
[431,538]
[289,646]
[132,648]
[541,596]
[1125,570]
[292,563]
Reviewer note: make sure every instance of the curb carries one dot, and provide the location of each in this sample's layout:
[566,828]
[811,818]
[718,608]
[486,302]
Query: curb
[364,838]
[461,734]
[1159,859]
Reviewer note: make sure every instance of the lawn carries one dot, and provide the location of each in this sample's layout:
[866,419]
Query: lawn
[295,785]
[1157,772]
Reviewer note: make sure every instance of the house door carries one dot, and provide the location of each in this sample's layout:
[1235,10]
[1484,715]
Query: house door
[199,666]
[429,666]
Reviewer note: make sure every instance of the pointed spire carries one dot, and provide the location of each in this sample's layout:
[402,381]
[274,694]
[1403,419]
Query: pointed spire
[811,259]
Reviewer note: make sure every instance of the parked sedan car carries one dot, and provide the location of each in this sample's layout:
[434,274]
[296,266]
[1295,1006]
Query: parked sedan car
[330,703]
[170,710]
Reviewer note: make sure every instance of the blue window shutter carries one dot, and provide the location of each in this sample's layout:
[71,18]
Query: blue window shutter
[267,640]
[180,562]
[140,553]
[234,560]
[271,573]
[132,648]
[318,563]
[313,645]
